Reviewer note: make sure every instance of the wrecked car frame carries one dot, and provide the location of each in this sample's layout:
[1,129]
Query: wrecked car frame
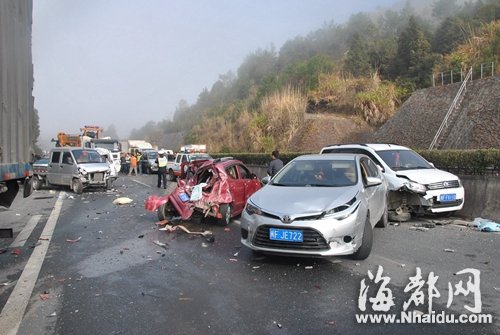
[215,188]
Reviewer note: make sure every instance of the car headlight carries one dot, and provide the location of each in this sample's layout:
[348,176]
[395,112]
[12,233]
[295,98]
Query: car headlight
[416,187]
[82,171]
[252,209]
[343,211]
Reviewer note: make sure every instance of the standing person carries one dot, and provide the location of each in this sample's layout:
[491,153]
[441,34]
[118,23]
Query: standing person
[139,163]
[161,161]
[275,165]
[133,164]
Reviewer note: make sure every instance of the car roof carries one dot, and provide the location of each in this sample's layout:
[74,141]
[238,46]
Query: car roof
[339,156]
[374,146]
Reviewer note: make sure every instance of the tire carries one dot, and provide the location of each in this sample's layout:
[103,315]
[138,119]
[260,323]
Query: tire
[226,211]
[402,217]
[197,217]
[384,220]
[170,175]
[366,242]
[77,186]
[165,211]
[37,183]
[109,184]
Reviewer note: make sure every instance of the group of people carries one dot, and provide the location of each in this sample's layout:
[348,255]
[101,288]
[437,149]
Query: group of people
[131,163]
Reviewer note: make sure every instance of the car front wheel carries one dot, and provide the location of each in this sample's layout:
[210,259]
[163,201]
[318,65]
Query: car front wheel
[77,186]
[366,243]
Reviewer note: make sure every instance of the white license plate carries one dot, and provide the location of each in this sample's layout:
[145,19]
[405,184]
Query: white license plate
[287,235]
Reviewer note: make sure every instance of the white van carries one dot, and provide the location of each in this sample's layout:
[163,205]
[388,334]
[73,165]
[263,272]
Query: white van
[415,185]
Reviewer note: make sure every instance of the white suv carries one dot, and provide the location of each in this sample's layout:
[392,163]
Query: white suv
[415,185]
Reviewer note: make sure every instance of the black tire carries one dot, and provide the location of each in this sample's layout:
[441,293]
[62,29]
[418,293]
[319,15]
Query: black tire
[165,212]
[226,211]
[109,184]
[403,217]
[197,217]
[366,242]
[384,220]
[37,183]
[170,175]
[77,186]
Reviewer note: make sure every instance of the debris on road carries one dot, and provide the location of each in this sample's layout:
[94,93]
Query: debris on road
[309,267]
[141,236]
[425,224]
[73,241]
[486,225]
[419,228]
[449,250]
[233,259]
[207,234]
[160,244]
[227,229]
[44,296]
[330,322]
[43,238]
[16,252]
[53,314]
[122,201]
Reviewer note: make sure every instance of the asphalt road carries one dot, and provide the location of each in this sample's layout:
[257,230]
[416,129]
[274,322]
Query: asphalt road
[101,272]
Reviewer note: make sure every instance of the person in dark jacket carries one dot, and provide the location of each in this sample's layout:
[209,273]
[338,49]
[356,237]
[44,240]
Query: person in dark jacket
[275,165]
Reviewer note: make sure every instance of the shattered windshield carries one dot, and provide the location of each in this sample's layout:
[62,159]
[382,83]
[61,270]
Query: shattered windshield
[403,160]
[319,173]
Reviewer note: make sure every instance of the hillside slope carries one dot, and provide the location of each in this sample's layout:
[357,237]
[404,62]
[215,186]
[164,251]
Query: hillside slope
[477,124]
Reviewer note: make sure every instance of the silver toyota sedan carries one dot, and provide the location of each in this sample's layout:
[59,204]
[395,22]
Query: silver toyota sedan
[318,205]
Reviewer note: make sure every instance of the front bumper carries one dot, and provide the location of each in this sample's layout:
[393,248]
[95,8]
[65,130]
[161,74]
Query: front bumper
[322,237]
[433,197]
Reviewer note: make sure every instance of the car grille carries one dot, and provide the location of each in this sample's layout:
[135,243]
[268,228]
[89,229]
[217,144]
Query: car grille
[312,240]
[438,204]
[443,184]
[98,176]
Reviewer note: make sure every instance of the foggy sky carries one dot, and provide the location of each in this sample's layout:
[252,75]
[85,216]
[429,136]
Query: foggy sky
[126,62]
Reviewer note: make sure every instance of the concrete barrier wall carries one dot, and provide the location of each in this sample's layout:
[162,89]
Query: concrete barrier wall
[482,195]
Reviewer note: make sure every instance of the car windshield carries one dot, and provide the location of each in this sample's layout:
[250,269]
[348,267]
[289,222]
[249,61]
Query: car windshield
[319,173]
[87,156]
[403,160]
[152,155]
[196,157]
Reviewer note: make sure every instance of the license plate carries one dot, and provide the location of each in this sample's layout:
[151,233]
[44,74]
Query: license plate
[184,197]
[286,235]
[447,197]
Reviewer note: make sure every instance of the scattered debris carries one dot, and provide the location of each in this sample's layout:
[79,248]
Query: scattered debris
[6,283]
[43,238]
[141,236]
[122,201]
[73,241]
[419,228]
[256,267]
[3,250]
[53,314]
[227,229]
[309,267]
[335,261]
[449,250]
[233,259]
[185,299]
[160,244]
[44,296]
[207,234]
[425,224]
[330,322]
[497,288]
[204,245]
[161,223]
[16,252]
[236,254]
[462,223]
[486,225]
[402,265]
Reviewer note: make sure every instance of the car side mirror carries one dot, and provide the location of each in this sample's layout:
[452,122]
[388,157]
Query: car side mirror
[373,181]
[266,180]
[432,164]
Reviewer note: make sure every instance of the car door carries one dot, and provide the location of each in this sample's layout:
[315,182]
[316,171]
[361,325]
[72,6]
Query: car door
[54,168]
[237,187]
[252,184]
[376,194]
[67,168]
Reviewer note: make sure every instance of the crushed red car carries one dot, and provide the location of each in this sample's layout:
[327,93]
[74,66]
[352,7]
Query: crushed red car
[217,188]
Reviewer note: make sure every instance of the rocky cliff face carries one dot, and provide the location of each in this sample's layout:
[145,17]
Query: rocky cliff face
[476,125]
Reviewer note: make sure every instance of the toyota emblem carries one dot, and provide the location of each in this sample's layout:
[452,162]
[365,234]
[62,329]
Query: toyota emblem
[286,219]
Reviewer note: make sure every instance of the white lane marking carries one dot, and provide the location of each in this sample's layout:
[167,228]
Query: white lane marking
[26,232]
[140,182]
[13,311]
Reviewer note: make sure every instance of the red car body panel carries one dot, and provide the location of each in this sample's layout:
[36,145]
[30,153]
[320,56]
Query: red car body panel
[221,188]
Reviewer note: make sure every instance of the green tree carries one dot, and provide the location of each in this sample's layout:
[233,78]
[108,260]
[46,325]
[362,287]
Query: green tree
[448,35]
[357,60]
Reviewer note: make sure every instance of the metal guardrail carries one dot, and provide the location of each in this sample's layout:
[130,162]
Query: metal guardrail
[444,124]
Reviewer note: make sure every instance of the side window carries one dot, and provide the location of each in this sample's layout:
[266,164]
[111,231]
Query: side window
[231,172]
[368,168]
[178,159]
[244,173]
[67,158]
[184,158]
[55,157]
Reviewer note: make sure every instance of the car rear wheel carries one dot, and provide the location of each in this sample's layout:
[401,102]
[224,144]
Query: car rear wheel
[77,186]
[366,242]
[37,183]
[170,175]
[226,211]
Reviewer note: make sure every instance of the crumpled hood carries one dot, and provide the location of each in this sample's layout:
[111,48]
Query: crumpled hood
[95,167]
[427,176]
[287,200]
